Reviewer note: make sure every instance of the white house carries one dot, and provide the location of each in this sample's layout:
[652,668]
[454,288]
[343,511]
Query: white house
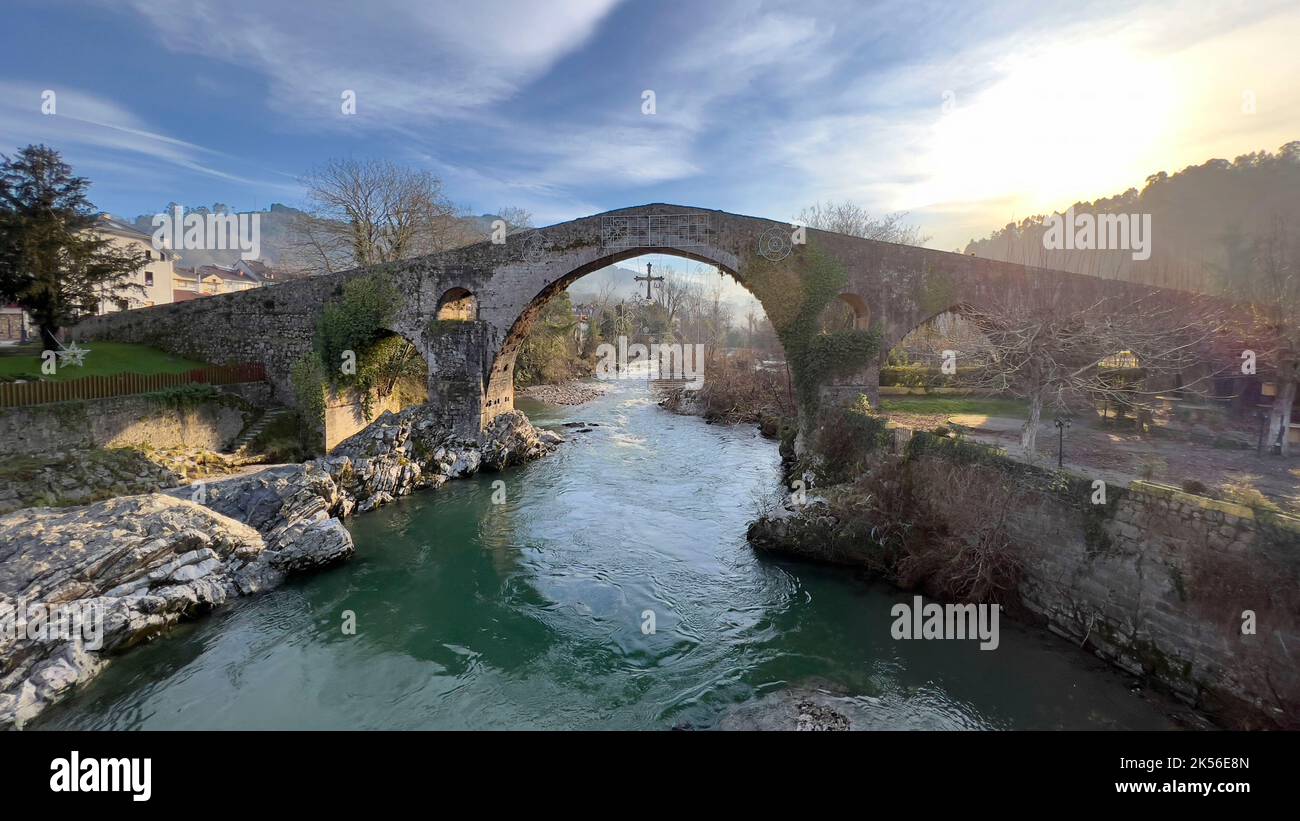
[155,278]
[206,280]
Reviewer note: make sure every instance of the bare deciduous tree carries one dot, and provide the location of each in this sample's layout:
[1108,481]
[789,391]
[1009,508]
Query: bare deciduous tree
[366,212]
[848,217]
[671,293]
[1274,322]
[1059,358]
[516,219]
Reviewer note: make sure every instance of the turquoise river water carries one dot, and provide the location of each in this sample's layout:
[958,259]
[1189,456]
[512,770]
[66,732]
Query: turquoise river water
[530,614]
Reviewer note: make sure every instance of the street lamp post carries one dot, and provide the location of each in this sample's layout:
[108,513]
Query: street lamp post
[1062,422]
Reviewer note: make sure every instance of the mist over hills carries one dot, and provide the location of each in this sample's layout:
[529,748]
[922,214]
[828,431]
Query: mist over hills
[1199,216]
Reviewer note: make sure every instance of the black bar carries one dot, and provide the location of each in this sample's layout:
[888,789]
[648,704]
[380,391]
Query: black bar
[964,769]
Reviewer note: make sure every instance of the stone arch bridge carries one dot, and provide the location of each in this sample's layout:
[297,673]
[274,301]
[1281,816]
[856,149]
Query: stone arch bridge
[467,310]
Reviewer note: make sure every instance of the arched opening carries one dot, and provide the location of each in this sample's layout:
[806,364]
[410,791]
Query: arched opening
[688,301]
[952,338]
[457,305]
[1121,398]
[933,375]
[848,312]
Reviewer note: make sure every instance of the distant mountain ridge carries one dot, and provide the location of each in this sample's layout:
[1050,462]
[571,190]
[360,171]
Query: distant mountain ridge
[1197,215]
[276,232]
[274,228]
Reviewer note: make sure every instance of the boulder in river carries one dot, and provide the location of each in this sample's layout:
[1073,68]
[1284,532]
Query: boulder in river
[798,709]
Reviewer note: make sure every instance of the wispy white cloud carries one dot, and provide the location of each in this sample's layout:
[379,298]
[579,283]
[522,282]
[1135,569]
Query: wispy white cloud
[406,62]
[87,122]
[763,105]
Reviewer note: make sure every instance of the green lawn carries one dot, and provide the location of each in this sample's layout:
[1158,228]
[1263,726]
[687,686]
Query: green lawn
[950,405]
[103,359]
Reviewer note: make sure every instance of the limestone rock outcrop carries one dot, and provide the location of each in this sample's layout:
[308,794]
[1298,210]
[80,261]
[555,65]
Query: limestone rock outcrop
[511,439]
[78,584]
[403,452]
[128,568]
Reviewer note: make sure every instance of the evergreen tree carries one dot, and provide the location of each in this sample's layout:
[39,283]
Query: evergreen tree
[51,264]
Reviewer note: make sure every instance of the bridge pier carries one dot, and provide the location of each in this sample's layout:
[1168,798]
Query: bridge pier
[845,391]
[460,360]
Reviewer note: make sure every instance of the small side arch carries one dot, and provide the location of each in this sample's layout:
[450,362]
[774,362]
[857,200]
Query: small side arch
[457,305]
[847,312]
[861,311]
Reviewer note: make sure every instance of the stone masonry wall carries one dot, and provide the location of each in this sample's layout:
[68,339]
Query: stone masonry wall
[345,416]
[121,421]
[1157,581]
[272,326]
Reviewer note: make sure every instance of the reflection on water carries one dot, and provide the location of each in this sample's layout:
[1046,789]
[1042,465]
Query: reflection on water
[529,614]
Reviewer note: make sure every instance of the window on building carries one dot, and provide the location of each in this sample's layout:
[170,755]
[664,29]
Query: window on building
[148,278]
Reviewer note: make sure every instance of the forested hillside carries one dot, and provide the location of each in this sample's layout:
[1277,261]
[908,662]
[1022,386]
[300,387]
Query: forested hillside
[1207,220]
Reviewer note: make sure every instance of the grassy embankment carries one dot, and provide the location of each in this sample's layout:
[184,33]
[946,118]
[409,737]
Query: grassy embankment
[102,359]
[952,405]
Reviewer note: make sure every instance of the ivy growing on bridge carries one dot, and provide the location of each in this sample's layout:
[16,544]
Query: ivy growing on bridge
[352,329]
[355,320]
[795,308]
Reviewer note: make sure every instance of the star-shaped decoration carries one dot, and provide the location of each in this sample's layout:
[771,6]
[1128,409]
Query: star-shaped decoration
[74,354]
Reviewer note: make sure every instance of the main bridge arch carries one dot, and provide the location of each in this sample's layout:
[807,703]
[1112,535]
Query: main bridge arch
[499,394]
[511,281]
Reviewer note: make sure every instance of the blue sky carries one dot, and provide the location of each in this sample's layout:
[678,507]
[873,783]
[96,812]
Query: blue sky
[966,114]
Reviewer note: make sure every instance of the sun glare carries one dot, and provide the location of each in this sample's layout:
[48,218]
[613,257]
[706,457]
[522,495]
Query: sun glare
[1061,123]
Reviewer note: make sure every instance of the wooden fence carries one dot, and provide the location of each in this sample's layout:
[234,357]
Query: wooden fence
[22,394]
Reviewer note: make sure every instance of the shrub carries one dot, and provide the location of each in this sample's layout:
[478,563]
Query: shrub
[1244,493]
[549,354]
[352,322]
[356,322]
[189,396]
[735,391]
[284,440]
[309,390]
[847,438]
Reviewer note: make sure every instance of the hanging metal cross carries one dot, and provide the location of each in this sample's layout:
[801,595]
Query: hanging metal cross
[648,279]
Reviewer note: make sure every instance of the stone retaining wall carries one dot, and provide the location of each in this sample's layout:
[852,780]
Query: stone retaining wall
[272,326]
[121,421]
[1165,586]
[1199,594]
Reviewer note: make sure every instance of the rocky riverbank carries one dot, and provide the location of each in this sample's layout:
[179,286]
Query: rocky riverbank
[82,476]
[123,570]
[567,393]
[1153,580]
